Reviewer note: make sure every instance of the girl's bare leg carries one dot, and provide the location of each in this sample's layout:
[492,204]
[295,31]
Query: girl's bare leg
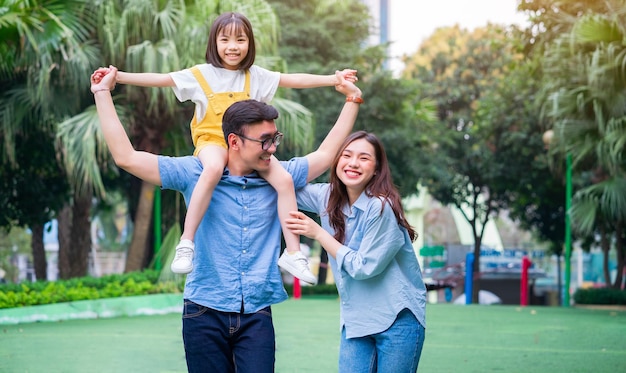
[292,260]
[213,159]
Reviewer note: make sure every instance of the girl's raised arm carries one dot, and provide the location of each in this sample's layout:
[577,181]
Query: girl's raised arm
[299,80]
[145,79]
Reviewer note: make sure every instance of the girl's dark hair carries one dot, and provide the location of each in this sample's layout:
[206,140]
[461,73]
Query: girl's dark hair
[233,22]
[380,186]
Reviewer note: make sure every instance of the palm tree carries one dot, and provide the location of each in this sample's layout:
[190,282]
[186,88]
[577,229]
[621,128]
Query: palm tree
[586,76]
[44,59]
[159,36]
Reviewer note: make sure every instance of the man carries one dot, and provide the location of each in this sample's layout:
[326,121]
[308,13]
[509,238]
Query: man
[227,322]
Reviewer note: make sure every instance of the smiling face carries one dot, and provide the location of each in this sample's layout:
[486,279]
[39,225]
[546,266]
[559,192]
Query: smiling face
[356,167]
[232,46]
[248,155]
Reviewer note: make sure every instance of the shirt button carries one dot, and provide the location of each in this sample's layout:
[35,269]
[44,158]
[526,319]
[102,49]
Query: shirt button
[243,273]
[245,229]
[245,207]
[244,251]
[243,187]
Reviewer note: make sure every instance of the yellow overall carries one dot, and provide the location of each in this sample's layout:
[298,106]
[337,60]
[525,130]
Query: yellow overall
[208,131]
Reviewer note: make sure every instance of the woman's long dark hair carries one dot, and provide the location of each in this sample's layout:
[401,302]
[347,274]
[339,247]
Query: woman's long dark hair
[381,186]
[235,21]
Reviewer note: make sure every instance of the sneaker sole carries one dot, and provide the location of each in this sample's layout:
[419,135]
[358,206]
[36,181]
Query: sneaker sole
[294,271]
[181,272]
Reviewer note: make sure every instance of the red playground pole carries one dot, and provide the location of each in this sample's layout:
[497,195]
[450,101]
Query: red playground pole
[523,296]
[297,291]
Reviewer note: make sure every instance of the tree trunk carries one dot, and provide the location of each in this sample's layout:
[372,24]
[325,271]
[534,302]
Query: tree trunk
[605,244]
[65,233]
[136,257]
[476,268]
[39,253]
[559,279]
[619,247]
[322,272]
[81,235]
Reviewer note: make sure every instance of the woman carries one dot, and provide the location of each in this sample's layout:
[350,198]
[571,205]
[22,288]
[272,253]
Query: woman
[369,241]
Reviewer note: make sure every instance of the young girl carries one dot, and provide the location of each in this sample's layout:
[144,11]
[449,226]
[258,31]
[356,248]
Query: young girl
[230,76]
[369,243]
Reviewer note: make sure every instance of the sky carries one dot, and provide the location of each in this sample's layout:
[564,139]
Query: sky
[412,21]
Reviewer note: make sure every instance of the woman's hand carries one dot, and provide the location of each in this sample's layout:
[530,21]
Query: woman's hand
[301,224]
[346,86]
[348,74]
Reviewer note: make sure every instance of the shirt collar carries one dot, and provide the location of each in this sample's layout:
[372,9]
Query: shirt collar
[252,178]
[360,203]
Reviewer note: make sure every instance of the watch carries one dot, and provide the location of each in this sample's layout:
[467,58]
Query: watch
[354,99]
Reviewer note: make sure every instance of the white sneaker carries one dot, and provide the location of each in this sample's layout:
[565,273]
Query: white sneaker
[298,265]
[183,261]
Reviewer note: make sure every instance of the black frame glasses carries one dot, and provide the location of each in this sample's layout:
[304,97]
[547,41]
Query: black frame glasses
[265,143]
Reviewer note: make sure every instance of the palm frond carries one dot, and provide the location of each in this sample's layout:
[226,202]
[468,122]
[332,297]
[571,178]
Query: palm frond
[583,213]
[166,254]
[296,122]
[604,201]
[79,139]
[596,28]
[160,57]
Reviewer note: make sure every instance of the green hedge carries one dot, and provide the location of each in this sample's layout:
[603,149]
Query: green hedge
[109,286]
[600,296]
[86,288]
[314,290]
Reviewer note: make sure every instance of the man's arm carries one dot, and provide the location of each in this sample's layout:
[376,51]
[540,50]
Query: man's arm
[141,164]
[321,159]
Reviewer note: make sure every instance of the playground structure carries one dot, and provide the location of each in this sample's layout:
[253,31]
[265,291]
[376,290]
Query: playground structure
[506,276]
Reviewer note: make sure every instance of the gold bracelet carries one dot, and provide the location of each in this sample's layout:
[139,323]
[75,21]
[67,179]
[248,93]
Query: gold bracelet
[357,100]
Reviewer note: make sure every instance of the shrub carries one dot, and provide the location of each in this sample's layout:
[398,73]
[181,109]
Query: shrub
[86,288]
[600,296]
[314,290]
[109,286]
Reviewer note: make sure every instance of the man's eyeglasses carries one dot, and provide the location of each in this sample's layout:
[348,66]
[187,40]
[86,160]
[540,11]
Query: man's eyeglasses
[266,143]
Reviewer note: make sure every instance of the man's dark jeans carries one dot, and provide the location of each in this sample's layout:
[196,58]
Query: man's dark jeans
[228,342]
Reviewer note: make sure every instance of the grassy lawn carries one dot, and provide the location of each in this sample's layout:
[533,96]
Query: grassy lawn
[458,339]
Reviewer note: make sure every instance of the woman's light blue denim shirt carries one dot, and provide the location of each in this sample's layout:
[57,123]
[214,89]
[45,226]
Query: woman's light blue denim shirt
[376,270]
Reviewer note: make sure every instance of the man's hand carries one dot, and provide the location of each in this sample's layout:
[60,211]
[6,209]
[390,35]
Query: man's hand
[103,79]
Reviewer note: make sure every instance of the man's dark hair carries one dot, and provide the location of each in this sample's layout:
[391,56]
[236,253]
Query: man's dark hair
[244,113]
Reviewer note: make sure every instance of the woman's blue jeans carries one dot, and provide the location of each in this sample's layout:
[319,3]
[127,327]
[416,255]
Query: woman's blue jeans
[228,342]
[396,350]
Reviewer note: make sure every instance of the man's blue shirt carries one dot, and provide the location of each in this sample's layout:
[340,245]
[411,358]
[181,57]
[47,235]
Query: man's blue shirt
[238,240]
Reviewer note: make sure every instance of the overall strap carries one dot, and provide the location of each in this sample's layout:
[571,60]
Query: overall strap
[246,87]
[205,85]
[200,78]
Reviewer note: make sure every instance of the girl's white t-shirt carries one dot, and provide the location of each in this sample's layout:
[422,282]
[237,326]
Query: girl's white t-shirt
[263,84]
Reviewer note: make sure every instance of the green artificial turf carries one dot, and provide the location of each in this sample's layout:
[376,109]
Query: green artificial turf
[458,339]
